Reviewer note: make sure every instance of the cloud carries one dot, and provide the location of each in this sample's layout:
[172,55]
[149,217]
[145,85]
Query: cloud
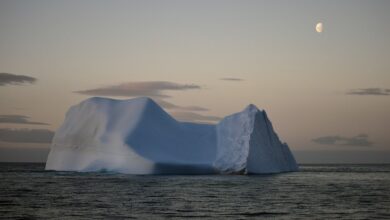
[36,154]
[26,135]
[360,140]
[232,79]
[370,91]
[194,117]
[12,79]
[152,89]
[170,106]
[18,119]
[145,88]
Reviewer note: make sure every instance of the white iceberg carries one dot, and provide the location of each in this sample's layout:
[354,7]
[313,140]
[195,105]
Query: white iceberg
[137,136]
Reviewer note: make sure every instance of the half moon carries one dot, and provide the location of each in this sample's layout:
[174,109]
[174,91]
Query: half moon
[319,27]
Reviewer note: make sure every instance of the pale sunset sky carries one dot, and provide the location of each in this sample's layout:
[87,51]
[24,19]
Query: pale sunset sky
[327,94]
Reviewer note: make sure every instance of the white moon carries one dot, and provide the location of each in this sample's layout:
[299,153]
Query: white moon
[319,27]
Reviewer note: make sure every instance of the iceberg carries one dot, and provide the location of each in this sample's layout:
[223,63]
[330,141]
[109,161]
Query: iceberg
[136,136]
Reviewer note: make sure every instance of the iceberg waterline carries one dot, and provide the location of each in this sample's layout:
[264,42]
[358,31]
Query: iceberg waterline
[136,136]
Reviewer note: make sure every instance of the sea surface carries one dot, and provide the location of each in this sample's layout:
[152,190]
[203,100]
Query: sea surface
[316,192]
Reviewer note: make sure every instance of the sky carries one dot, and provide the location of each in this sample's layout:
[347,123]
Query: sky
[327,94]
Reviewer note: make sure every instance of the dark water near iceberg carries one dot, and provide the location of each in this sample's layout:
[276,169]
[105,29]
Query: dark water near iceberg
[317,192]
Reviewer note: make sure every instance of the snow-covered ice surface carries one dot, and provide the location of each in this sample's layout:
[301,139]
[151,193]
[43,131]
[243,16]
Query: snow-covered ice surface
[137,136]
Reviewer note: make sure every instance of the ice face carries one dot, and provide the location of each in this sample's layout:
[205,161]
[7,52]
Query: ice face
[137,136]
[233,135]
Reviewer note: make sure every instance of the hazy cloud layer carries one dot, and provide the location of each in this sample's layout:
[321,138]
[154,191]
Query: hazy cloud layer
[232,79]
[12,79]
[370,91]
[26,135]
[24,154]
[146,88]
[360,140]
[18,119]
[194,117]
[170,106]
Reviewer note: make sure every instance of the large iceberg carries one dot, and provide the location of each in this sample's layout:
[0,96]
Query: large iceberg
[137,136]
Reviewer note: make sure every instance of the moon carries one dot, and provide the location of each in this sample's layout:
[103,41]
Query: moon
[319,27]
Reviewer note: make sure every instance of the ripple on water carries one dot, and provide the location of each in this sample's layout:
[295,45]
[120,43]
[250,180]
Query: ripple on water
[318,192]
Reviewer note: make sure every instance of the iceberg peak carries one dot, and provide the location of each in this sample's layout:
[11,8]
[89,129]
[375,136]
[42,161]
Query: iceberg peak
[251,108]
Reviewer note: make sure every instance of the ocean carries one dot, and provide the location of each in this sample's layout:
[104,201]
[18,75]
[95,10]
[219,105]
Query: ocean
[357,191]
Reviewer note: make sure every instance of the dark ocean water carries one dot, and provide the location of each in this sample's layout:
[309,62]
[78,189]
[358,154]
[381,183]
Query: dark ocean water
[317,192]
